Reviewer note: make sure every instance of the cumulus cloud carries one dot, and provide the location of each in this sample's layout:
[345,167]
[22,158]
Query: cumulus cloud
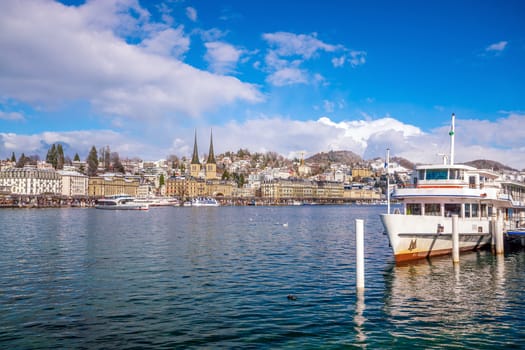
[168,42]
[369,138]
[74,142]
[222,57]
[288,51]
[97,64]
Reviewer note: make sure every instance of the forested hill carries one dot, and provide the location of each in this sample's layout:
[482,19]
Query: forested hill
[488,164]
[344,157]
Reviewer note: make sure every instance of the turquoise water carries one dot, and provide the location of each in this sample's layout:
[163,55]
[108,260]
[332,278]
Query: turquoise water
[220,277]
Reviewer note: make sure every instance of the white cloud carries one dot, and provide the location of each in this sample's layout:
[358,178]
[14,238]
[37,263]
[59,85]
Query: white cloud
[288,51]
[222,57]
[328,106]
[288,76]
[98,65]
[11,116]
[168,42]
[191,13]
[74,142]
[355,58]
[497,47]
[290,44]
[369,138]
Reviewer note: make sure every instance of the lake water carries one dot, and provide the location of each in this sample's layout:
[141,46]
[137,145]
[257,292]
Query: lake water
[220,277]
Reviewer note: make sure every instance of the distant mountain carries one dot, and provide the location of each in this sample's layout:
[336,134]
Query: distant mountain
[489,164]
[405,163]
[344,157]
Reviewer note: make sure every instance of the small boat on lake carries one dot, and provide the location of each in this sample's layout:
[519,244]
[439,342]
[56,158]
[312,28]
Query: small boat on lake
[480,198]
[204,202]
[120,202]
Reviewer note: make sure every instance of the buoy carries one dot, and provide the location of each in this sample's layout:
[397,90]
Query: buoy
[291,297]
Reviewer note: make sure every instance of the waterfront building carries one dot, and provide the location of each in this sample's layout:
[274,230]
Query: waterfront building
[359,173]
[280,189]
[360,192]
[111,184]
[73,183]
[31,181]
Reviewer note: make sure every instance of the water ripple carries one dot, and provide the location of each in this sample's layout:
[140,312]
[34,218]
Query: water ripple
[221,277]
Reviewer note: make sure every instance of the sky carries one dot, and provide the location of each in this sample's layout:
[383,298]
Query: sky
[293,77]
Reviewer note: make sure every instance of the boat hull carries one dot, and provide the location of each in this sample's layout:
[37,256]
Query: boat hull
[416,236]
[123,207]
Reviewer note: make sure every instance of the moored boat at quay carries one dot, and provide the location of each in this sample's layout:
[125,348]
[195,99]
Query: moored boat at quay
[204,202]
[158,201]
[120,202]
[481,199]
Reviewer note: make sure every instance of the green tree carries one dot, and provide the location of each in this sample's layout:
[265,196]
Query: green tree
[51,157]
[13,158]
[161,180]
[117,164]
[77,158]
[107,158]
[60,160]
[92,162]
[22,161]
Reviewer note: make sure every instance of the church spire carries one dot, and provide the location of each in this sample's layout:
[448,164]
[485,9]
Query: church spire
[211,156]
[195,157]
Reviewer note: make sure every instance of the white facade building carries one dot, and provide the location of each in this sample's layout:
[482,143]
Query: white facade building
[73,183]
[31,181]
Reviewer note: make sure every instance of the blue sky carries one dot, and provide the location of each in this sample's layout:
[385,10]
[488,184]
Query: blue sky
[284,76]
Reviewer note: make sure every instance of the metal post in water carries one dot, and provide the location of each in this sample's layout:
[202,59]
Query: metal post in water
[455,239]
[359,254]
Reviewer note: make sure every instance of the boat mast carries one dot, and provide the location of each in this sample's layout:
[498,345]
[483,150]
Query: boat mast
[451,133]
[387,164]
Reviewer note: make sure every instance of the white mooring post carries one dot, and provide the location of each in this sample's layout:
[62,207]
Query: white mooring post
[359,255]
[455,239]
[499,233]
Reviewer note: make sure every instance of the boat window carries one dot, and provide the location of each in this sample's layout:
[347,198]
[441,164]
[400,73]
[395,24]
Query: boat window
[451,209]
[432,209]
[475,210]
[456,174]
[413,209]
[436,174]
[484,211]
[467,210]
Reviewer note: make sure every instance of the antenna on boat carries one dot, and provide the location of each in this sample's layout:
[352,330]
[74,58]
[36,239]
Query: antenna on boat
[451,133]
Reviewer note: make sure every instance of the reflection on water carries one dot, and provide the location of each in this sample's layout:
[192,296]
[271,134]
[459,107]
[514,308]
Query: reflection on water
[434,300]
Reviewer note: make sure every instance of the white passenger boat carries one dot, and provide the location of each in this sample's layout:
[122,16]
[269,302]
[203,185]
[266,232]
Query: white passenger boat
[158,201]
[120,202]
[204,202]
[423,227]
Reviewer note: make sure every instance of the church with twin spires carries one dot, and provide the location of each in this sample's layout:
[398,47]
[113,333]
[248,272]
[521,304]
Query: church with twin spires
[210,168]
